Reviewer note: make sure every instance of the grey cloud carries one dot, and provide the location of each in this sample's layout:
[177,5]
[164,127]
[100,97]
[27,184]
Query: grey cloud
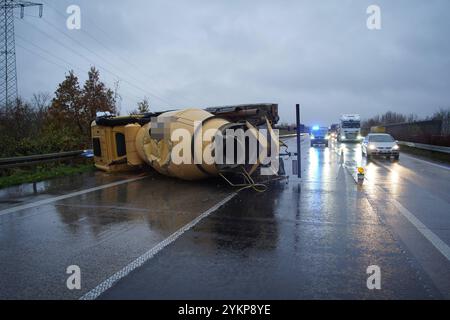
[317,53]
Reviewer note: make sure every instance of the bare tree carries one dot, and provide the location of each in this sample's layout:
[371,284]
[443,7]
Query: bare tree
[117,97]
[142,107]
[441,114]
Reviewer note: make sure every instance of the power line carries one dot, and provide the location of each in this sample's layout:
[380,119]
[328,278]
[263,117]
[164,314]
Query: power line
[41,56]
[72,66]
[127,61]
[102,58]
[99,66]
[67,65]
[64,67]
[8,73]
[47,52]
[87,59]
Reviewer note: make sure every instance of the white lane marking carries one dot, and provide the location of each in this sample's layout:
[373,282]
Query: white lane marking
[427,162]
[65,196]
[108,283]
[440,245]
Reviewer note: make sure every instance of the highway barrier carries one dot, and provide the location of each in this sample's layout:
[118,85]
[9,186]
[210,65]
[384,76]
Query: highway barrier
[423,146]
[38,159]
[50,157]
[431,132]
[291,135]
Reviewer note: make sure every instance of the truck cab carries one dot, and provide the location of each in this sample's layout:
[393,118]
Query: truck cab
[350,128]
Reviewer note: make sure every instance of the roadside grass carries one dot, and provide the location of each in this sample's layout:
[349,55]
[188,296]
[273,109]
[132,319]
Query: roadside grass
[425,154]
[282,132]
[40,173]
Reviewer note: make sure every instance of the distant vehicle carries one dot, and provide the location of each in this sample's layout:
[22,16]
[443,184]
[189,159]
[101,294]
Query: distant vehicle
[333,132]
[319,136]
[349,128]
[380,144]
[88,153]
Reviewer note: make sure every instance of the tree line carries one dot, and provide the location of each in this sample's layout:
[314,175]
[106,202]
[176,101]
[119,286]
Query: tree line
[391,117]
[48,124]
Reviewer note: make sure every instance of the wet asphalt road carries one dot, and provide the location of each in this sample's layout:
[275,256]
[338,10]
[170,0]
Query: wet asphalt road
[308,239]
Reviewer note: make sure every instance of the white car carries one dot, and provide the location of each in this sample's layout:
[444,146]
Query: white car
[380,144]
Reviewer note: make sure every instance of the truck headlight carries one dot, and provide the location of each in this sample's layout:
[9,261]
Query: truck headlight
[360,137]
[312,136]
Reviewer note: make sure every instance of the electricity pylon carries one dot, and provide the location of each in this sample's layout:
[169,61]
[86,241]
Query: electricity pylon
[8,75]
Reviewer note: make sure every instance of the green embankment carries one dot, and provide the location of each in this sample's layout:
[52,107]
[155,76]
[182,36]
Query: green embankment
[425,154]
[40,173]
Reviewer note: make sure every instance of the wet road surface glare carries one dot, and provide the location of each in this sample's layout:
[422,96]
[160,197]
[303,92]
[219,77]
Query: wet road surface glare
[161,238]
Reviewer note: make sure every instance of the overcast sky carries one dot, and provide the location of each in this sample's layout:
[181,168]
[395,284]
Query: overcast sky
[207,52]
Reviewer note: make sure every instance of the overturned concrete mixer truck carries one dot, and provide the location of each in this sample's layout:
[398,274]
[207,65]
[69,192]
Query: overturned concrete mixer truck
[190,143]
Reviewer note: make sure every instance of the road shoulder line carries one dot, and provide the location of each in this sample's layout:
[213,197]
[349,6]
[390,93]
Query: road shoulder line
[65,196]
[440,245]
[427,162]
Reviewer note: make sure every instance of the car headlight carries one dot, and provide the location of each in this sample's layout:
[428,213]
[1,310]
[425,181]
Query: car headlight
[327,137]
[372,147]
[360,137]
[396,147]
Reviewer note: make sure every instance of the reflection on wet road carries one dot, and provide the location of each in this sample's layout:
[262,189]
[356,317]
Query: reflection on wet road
[312,238]
[309,240]
[99,231]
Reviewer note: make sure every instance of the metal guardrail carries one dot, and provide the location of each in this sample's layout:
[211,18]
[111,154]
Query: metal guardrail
[428,147]
[37,159]
[291,135]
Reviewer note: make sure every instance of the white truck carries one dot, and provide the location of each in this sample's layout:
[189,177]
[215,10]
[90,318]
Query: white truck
[349,128]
